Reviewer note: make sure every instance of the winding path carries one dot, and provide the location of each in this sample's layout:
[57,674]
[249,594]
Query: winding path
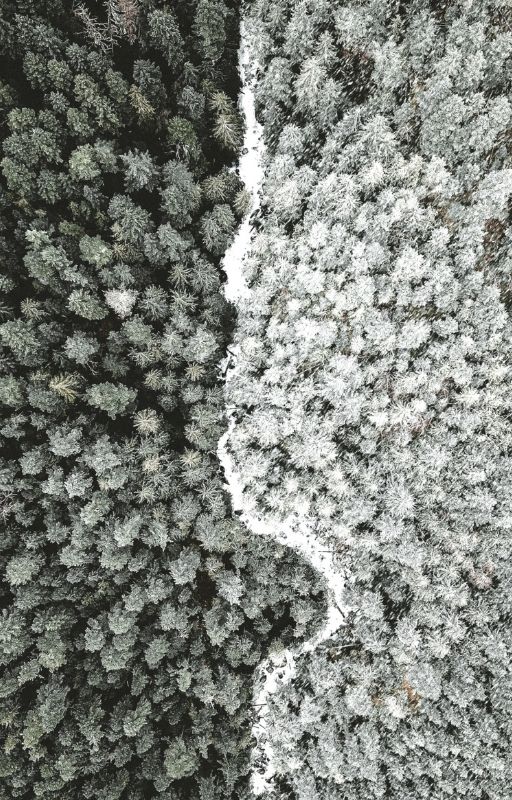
[293,532]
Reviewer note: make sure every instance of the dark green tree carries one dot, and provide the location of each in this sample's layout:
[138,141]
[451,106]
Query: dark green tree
[135,607]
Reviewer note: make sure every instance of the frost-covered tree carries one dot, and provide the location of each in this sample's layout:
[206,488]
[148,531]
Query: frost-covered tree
[372,385]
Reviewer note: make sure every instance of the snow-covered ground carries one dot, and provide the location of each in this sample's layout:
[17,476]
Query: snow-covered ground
[293,532]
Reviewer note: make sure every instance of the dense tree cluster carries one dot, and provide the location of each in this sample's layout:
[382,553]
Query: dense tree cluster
[134,606]
[373,384]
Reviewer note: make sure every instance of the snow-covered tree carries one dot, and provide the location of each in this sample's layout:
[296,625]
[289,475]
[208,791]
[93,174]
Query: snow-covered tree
[372,385]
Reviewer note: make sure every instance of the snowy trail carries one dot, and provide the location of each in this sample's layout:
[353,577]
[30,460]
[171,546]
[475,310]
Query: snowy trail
[296,533]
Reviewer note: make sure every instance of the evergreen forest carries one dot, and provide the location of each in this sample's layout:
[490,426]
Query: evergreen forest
[255,399]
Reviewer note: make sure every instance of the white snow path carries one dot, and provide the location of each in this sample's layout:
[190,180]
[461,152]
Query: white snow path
[293,532]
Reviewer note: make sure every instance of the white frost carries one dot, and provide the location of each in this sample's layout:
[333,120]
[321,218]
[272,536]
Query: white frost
[250,169]
[294,532]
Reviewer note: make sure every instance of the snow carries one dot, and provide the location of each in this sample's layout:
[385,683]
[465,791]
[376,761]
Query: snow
[250,169]
[295,532]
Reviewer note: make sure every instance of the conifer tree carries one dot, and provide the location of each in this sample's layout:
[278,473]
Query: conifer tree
[372,389]
[134,606]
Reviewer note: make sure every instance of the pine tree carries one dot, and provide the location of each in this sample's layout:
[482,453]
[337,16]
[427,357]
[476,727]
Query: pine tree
[122,570]
[370,392]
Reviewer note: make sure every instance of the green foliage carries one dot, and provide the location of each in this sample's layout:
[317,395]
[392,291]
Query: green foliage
[164,34]
[111,398]
[227,128]
[135,607]
[210,28]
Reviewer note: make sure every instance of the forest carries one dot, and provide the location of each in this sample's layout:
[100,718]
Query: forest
[164,633]
[135,606]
